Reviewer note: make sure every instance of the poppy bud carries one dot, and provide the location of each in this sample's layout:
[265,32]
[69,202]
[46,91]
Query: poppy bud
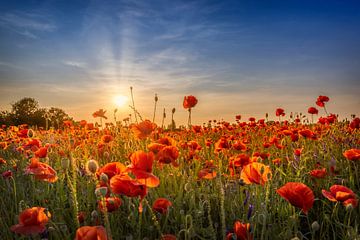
[101,191]
[315,226]
[30,133]
[349,207]
[92,166]
[104,178]
[156,97]
[94,215]
[173,110]
[65,163]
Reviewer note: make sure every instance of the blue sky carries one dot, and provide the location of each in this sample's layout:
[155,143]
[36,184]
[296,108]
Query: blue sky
[237,57]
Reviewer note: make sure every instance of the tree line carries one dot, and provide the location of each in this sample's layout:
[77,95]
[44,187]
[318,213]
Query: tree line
[28,111]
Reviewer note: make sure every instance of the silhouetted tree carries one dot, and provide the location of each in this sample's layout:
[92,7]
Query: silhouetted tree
[24,111]
[56,116]
[27,111]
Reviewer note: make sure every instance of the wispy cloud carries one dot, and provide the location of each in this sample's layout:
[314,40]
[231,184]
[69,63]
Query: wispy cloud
[76,64]
[27,23]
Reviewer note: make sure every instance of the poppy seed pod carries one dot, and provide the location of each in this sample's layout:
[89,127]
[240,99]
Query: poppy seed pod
[92,166]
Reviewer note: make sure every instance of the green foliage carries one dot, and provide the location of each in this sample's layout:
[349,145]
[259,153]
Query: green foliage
[28,111]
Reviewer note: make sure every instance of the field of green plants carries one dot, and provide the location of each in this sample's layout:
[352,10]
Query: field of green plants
[248,179]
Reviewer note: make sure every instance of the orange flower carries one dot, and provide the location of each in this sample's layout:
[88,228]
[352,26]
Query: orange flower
[207,173]
[106,138]
[31,221]
[111,169]
[352,154]
[340,193]
[298,195]
[189,101]
[255,172]
[127,186]
[41,171]
[100,113]
[161,205]
[318,173]
[143,129]
[168,154]
[242,230]
[142,164]
[41,152]
[91,233]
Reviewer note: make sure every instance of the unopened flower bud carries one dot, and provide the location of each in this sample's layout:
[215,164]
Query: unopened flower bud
[349,207]
[315,226]
[94,215]
[92,166]
[104,178]
[65,163]
[156,97]
[101,192]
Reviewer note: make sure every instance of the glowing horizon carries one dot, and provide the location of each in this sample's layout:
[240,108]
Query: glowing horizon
[246,58]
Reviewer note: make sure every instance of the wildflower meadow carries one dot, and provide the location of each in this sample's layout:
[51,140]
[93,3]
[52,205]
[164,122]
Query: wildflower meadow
[293,178]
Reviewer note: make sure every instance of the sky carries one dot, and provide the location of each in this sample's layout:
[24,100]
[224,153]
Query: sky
[243,57]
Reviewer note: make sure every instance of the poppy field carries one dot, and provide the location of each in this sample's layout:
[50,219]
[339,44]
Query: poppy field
[293,178]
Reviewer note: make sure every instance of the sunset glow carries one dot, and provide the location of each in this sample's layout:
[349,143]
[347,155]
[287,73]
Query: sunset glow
[120,100]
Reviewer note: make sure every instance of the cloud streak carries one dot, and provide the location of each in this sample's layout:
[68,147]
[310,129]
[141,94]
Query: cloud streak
[26,23]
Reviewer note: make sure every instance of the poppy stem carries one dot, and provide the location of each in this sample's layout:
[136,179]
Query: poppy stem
[163,119]
[325,110]
[156,99]
[189,120]
[133,103]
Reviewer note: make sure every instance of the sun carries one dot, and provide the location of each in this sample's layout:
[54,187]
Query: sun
[120,100]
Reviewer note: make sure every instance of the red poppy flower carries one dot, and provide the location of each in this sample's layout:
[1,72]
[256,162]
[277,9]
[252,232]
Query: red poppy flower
[255,172]
[307,133]
[111,203]
[143,129]
[141,167]
[112,169]
[91,233]
[41,152]
[280,112]
[352,154]
[7,174]
[41,171]
[127,186]
[106,138]
[318,173]
[313,110]
[31,221]
[340,193]
[167,155]
[321,100]
[161,205]
[242,231]
[100,113]
[355,123]
[168,237]
[298,195]
[298,151]
[155,147]
[189,102]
